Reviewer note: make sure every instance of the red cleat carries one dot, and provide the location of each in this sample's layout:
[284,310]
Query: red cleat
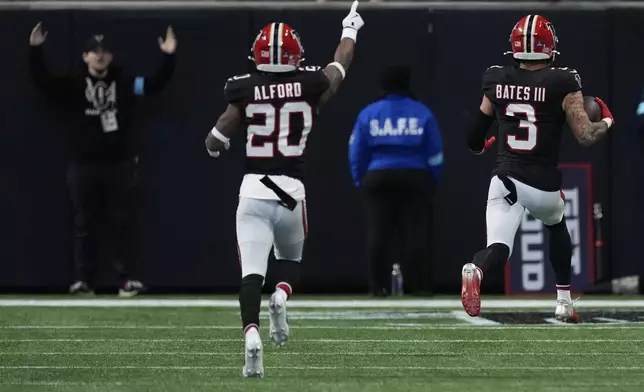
[471,289]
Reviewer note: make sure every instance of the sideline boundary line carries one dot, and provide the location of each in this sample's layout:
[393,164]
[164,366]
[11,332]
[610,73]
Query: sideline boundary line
[321,340]
[384,327]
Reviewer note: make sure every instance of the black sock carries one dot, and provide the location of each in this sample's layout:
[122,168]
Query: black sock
[250,299]
[493,255]
[288,275]
[560,252]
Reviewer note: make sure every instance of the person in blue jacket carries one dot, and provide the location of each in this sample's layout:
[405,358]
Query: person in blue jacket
[396,157]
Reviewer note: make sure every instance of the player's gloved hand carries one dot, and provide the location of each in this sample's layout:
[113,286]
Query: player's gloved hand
[352,23]
[216,140]
[213,154]
[607,116]
[489,143]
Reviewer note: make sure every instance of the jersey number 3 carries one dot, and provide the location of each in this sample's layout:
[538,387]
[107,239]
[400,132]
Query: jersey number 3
[280,122]
[527,120]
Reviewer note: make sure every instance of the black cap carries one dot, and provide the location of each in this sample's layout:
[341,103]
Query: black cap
[396,78]
[97,42]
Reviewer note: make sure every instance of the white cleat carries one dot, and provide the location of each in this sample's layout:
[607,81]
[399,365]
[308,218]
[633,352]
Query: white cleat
[279,328]
[253,356]
[566,312]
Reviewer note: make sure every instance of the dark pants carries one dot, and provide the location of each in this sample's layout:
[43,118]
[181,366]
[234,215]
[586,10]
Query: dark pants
[102,193]
[399,204]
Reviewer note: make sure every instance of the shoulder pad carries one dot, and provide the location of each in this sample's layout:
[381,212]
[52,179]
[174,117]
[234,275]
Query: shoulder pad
[310,68]
[571,72]
[492,71]
[491,74]
[238,77]
[234,79]
[236,87]
[567,69]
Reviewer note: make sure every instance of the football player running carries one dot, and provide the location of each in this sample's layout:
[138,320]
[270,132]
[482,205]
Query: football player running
[277,106]
[530,101]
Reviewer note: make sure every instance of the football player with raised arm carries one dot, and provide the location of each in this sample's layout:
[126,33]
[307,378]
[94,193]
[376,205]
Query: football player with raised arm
[277,107]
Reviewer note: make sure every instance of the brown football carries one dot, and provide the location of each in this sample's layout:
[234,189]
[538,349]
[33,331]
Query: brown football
[592,109]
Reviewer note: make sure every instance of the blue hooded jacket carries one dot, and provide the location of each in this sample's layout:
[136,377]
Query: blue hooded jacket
[396,132]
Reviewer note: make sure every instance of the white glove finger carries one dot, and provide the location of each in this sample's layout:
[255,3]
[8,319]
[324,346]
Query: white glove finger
[214,154]
[354,7]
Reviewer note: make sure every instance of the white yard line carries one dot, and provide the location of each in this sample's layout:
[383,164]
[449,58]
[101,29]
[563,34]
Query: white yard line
[611,320]
[392,304]
[326,353]
[220,384]
[449,368]
[333,340]
[477,321]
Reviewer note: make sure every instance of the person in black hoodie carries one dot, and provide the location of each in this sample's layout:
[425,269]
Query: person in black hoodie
[103,166]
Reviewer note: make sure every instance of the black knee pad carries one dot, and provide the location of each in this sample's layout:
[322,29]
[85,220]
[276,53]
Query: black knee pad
[558,226]
[252,280]
[288,271]
[493,255]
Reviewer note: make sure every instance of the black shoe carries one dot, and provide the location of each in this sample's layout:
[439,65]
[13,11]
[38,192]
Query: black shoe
[80,288]
[131,288]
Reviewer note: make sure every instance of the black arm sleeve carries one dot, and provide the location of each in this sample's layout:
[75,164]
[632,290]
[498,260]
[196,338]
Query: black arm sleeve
[478,131]
[155,83]
[44,81]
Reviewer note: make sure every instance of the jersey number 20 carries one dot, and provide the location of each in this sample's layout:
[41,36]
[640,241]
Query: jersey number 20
[277,121]
[527,120]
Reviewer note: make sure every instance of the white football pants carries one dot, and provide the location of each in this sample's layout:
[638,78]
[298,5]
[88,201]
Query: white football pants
[503,219]
[262,224]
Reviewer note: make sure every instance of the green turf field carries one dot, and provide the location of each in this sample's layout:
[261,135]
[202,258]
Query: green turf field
[336,345]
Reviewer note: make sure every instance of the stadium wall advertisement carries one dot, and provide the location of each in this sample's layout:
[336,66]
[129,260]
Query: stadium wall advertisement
[187,201]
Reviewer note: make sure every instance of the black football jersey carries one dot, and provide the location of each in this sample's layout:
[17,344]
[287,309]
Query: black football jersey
[527,106]
[280,111]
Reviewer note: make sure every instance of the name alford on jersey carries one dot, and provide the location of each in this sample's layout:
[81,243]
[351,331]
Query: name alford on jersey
[272,91]
[278,91]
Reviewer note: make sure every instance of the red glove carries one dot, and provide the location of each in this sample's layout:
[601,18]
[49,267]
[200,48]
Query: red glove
[489,143]
[607,116]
